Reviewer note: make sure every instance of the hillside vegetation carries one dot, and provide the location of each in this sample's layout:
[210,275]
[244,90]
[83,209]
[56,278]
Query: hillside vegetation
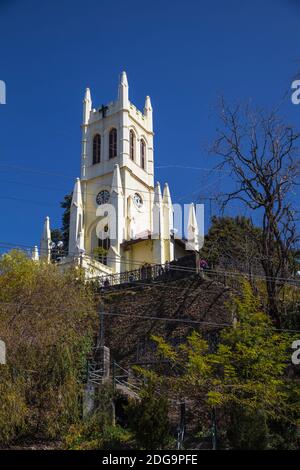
[193,339]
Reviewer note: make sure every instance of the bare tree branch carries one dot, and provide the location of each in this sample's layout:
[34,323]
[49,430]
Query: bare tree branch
[261,154]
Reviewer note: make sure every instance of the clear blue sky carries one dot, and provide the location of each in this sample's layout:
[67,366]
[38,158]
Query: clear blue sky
[184,54]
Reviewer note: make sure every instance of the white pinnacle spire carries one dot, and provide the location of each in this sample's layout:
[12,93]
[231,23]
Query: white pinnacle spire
[147,106]
[157,194]
[116,222]
[158,226]
[46,230]
[87,96]
[124,80]
[131,220]
[87,106]
[76,237]
[80,243]
[167,196]
[148,112]
[77,195]
[157,212]
[192,229]
[116,185]
[123,91]
[168,208]
[35,254]
[46,241]
[168,222]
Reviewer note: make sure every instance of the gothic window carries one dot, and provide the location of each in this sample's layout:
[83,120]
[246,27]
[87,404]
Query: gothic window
[132,145]
[113,143]
[96,149]
[143,154]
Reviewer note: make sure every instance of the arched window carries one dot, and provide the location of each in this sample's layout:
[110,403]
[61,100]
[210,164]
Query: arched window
[132,145]
[96,149]
[113,143]
[143,154]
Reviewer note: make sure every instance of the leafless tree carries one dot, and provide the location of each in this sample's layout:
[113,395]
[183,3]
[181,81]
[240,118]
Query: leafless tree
[260,152]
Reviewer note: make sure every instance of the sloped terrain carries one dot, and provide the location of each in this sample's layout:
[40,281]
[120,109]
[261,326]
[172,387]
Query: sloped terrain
[128,328]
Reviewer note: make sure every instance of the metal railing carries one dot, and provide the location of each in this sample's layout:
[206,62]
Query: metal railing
[125,378]
[170,271]
[94,373]
[145,273]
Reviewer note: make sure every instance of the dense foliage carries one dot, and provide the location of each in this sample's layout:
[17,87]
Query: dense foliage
[62,234]
[240,374]
[233,243]
[243,381]
[46,320]
[148,419]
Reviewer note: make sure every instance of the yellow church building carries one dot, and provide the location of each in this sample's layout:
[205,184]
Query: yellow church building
[119,219]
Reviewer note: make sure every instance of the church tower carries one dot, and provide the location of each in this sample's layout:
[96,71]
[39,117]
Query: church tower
[120,220]
[117,180]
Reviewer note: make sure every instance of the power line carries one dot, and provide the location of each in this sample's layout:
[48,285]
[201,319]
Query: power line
[152,317]
[62,175]
[91,193]
[34,170]
[176,320]
[148,192]
[27,201]
[187,167]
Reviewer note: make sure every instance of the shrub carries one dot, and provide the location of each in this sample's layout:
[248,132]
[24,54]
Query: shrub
[13,409]
[148,420]
[92,435]
[47,320]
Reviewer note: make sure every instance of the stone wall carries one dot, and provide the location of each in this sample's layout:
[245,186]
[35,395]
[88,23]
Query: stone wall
[128,328]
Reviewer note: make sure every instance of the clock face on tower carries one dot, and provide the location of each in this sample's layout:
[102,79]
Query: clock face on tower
[103,197]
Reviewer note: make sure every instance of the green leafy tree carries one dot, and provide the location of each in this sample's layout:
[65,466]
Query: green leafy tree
[58,240]
[233,243]
[245,378]
[98,430]
[62,234]
[66,205]
[47,320]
